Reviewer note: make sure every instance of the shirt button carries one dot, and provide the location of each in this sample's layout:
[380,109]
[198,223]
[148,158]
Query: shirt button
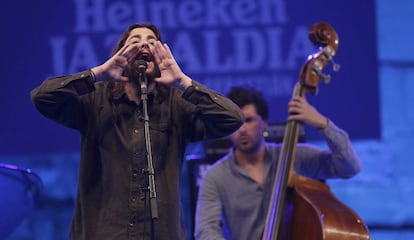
[133,199]
[135,130]
[131,224]
[196,87]
[62,83]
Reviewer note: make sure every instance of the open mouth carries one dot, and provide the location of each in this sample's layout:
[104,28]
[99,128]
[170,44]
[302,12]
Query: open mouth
[145,55]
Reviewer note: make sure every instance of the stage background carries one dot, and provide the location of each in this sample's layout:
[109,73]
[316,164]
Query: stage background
[222,43]
[219,43]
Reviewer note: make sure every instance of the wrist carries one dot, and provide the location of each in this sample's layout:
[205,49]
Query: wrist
[93,76]
[183,82]
[96,73]
[323,124]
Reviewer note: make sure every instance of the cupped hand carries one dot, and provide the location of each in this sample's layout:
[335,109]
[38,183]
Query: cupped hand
[114,67]
[171,73]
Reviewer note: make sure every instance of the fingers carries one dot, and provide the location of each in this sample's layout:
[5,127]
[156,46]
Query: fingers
[297,107]
[122,79]
[160,51]
[295,104]
[300,110]
[128,51]
[122,50]
[155,50]
[299,99]
[167,50]
[120,61]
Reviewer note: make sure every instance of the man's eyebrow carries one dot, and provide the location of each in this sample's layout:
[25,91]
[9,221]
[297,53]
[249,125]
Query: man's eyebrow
[150,37]
[136,36]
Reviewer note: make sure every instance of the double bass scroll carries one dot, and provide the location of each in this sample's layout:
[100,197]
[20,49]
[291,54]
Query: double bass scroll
[303,208]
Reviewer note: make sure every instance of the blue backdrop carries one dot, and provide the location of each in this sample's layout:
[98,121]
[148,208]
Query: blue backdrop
[220,43]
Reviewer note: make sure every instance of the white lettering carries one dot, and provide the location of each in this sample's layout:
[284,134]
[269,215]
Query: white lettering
[163,14]
[274,36]
[119,15]
[243,50]
[250,49]
[217,14]
[185,50]
[110,41]
[83,56]
[58,45]
[236,37]
[215,59]
[300,47]
[244,12]
[102,15]
[273,11]
[92,12]
[140,9]
[190,14]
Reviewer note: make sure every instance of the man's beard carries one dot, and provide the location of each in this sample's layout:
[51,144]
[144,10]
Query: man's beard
[251,147]
[132,73]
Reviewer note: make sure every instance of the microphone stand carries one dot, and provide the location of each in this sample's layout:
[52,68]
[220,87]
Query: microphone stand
[142,67]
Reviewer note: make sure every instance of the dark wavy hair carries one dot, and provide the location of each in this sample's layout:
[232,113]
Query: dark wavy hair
[116,87]
[125,34]
[244,95]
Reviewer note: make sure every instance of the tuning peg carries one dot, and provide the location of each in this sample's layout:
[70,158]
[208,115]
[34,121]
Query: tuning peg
[335,66]
[317,68]
[326,77]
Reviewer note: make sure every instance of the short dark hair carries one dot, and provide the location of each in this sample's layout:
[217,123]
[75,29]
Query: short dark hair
[244,95]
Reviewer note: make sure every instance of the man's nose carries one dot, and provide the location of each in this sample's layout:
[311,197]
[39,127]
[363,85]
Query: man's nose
[242,127]
[144,45]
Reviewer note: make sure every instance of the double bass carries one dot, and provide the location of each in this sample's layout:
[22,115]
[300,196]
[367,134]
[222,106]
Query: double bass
[301,208]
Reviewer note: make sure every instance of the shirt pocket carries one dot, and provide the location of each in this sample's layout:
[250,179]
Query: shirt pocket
[161,133]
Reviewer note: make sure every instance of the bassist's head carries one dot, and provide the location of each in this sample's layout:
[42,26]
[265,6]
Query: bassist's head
[249,139]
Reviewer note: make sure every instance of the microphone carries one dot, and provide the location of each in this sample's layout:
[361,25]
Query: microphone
[141,65]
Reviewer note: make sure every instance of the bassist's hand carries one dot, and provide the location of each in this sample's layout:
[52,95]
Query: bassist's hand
[300,110]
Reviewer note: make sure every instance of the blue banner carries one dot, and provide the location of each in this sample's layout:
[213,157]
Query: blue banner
[220,43]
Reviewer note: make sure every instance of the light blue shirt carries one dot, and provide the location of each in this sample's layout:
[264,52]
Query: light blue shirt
[231,204]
